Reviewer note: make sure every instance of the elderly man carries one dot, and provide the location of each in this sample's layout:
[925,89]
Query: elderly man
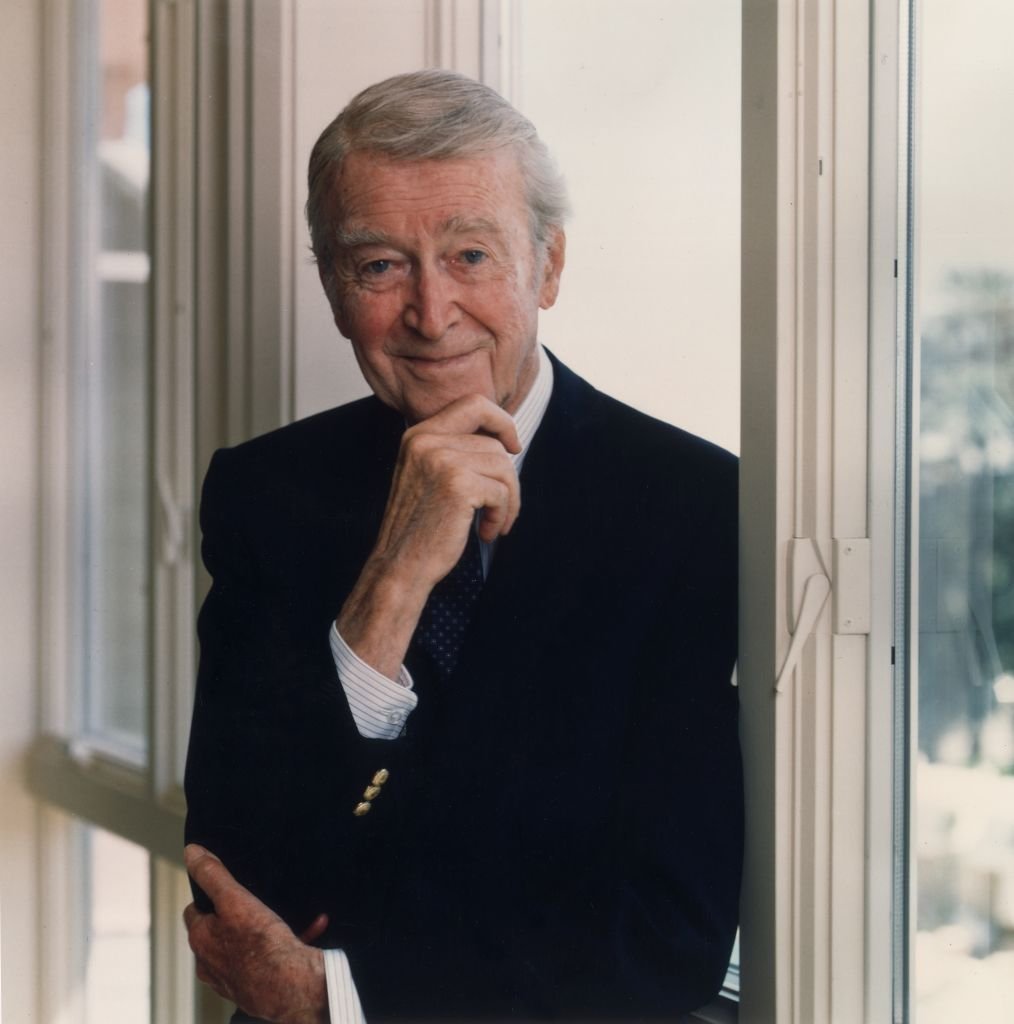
[464,743]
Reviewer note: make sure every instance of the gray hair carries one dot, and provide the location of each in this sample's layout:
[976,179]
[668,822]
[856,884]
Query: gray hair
[431,115]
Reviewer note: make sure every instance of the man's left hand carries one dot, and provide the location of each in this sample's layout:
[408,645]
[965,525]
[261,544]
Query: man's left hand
[248,954]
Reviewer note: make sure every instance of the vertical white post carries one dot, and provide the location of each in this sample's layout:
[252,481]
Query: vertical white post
[806,509]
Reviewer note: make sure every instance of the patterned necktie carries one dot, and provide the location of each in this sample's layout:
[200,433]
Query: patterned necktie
[448,611]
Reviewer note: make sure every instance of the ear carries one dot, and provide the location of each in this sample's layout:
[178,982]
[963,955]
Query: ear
[552,268]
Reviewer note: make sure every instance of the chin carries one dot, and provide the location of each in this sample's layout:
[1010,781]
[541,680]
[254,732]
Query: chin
[422,405]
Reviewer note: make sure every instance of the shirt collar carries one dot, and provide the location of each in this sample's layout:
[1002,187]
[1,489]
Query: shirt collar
[533,407]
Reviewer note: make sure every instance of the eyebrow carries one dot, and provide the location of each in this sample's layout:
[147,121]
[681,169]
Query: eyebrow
[352,238]
[466,225]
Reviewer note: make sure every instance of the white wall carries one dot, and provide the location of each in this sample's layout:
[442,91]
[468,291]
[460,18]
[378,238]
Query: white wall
[340,49]
[640,104]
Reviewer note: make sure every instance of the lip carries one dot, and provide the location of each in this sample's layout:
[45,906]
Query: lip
[426,363]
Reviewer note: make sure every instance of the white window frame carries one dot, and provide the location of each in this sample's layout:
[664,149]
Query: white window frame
[818,499]
[69,765]
[81,778]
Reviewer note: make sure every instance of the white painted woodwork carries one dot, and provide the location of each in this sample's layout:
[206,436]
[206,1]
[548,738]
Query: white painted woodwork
[819,854]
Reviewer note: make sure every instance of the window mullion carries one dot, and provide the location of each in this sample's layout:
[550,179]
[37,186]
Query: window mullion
[806,266]
[63,899]
[885,657]
[172,391]
[58,710]
[172,963]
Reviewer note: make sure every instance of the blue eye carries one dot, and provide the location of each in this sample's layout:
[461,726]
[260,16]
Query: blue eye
[473,257]
[377,267]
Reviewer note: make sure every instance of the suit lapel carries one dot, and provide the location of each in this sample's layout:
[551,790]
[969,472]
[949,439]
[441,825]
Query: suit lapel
[543,562]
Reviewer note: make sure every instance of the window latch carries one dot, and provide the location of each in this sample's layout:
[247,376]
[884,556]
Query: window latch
[172,524]
[809,575]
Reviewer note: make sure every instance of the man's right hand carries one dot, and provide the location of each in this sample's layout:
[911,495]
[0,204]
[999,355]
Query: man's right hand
[450,466]
[248,954]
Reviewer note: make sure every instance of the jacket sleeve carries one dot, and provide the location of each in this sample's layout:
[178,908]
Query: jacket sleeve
[250,783]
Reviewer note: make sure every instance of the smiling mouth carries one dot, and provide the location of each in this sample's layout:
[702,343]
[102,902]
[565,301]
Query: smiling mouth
[425,363]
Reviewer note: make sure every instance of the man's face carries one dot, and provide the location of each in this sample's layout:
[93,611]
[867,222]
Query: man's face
[438,285]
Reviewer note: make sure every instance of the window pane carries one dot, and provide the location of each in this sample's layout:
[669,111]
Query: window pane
[113,366]
[963,834]
[117,972]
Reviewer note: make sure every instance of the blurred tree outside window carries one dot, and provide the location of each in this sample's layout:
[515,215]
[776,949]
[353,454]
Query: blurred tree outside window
[962,841]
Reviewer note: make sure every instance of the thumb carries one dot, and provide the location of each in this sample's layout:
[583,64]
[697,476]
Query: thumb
[314,929]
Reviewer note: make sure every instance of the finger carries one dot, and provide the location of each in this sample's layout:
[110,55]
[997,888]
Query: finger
[200,939]
[493,523]
[209,873]
[496,494]
[193,852]
[480,484]
[461,482]
[202,972]
[499,504]
[213,980]
[467,443]
[314,929]
[473,414]
[497,468]
[191,915]
[429,453]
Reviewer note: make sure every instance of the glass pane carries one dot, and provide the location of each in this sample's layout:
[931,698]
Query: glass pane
[963,829]
[118,942]
[113,371]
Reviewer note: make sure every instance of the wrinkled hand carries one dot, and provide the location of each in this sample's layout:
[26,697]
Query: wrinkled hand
[450,466]
[248,954]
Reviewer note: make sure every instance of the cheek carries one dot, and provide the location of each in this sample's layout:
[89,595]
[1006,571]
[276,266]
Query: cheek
[523,317]
[368,321]
[518,324]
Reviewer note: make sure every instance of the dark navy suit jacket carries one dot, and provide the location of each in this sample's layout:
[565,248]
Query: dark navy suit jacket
[561,832]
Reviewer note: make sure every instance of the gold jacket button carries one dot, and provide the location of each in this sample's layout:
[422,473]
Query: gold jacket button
[361,809]
[371,792]
[381,777]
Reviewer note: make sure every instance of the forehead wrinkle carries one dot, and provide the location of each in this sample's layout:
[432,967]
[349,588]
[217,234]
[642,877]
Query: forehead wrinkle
[397,198]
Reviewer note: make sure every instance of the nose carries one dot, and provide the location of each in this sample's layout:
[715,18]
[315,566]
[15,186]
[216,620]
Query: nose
[432,307]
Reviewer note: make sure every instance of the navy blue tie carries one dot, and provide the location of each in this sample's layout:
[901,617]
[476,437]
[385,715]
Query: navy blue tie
[448,612]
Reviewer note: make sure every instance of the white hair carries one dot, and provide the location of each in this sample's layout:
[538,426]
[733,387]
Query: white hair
[430,115]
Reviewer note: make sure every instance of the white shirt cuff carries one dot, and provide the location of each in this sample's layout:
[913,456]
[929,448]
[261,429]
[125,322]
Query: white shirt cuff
[380,706]
[342,997]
